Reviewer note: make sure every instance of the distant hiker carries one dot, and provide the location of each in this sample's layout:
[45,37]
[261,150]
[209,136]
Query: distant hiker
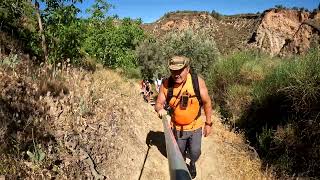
[158,83]
[148,91]
[143,87]
[185,93]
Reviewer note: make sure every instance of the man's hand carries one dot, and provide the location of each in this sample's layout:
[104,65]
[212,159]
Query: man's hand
[162,113]
[206,130]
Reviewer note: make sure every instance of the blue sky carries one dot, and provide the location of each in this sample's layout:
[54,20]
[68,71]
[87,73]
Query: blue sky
[151,10]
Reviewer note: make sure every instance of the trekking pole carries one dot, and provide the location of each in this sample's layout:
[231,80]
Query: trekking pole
[177,166]
[144,162]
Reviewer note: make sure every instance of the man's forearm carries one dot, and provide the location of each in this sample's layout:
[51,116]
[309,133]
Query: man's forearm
[208,111]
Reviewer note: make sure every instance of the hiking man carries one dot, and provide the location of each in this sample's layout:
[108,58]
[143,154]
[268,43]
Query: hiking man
[185,93]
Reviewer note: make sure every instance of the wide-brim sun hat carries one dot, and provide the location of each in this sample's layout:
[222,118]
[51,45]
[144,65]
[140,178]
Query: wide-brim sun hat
[178,62]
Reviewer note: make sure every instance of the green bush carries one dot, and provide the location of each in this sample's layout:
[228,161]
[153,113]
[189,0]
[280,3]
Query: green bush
[252,71]
[264,139]
[227,72]
[276,102]
[297,78]
[64,42]
[153,55]
[287,103]
[234,74]
[133,73]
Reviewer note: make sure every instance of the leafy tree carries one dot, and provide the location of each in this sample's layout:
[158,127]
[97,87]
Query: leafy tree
[110,40]
[153,54]
[62,30]
[12,12]
[113,43]
[99,9]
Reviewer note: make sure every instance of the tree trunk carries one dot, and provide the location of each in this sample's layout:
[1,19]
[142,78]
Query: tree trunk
[43,38]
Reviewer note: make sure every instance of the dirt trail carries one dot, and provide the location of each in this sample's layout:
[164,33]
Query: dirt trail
[224,156]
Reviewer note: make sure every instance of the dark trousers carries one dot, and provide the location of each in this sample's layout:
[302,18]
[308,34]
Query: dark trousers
[189,141]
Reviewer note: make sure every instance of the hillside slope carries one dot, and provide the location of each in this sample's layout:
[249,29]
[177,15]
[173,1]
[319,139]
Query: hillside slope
[230,32]
[275,31]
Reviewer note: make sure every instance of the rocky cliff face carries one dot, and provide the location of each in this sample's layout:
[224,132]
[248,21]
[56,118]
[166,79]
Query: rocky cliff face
[285,31]
[306,37]
[276,31]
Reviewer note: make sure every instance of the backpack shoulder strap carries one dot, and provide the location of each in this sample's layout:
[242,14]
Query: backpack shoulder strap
[170,89]
[195,84]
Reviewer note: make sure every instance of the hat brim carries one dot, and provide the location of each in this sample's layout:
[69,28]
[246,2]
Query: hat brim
[176,67]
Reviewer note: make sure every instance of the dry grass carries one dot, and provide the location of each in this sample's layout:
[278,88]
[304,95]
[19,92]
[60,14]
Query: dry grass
[107,117]
[238,159]
[98,111]
[238,99]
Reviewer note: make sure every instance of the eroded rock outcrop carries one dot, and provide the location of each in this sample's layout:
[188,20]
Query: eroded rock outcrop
[286,31]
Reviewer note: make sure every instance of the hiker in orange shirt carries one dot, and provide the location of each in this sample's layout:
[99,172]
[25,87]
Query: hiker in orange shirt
[185,93]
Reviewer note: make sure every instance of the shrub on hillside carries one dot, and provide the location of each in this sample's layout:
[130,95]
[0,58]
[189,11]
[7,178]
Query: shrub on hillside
[276,104]
[232,76]
[252,71]
[238,99]
[282,121]
[19,23]
[280,6]
[153,54]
